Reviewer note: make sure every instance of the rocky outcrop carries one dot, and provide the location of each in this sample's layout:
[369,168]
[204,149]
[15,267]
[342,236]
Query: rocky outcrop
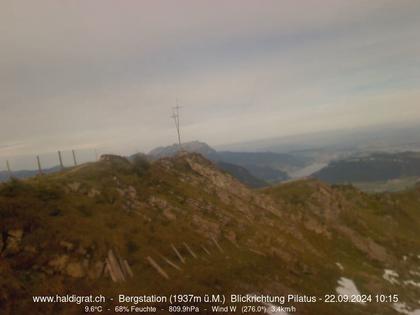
[77,264]
[372,249]
[129,198]
[113,157]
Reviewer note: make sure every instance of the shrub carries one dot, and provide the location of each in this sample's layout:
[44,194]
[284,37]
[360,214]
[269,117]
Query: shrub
[141,164]
[13,188]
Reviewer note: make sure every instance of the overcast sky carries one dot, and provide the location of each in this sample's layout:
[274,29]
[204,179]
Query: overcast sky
[105,74]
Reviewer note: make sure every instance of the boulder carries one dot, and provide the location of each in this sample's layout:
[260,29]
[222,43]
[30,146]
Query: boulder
[231,236]
[13,242]
[158,202]
[132,192]
[93,193]
[75,270]
[169,214]
[59,263]
[67,245]
[74,187]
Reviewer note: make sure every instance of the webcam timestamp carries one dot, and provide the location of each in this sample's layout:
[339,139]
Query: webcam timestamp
[361,298]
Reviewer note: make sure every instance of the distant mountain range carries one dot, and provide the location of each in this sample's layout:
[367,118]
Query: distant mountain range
[259,169]
[256,169]
[384,138]
[368,171]
[371,168]
[4,175]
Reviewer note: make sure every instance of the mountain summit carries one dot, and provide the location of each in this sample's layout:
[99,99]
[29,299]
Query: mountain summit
[239,172]
[193,147]
[256,169]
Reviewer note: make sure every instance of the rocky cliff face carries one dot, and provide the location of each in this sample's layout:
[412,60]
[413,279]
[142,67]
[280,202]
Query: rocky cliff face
[181,225]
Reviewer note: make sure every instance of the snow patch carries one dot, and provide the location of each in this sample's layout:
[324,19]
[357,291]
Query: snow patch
[347,287]
[391,276]
[340,266]
[412,282]
[415,273]
[404,309]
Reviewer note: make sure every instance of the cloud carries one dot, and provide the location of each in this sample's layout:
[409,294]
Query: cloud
[105,73]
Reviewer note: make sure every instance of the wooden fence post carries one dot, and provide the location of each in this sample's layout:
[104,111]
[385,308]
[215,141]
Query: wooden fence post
[39,165]
[61,160]
[8,169]
[74,157]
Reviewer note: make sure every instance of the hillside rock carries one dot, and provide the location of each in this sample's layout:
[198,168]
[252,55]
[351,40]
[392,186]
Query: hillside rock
[67,245]
[59,263]
[13,242]
[75,270]
[74,187]
[113,158]
[93,193]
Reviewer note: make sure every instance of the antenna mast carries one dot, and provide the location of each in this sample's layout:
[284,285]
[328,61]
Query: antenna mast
[175,116]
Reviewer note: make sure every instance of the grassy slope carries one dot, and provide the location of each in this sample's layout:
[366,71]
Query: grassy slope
[393,185]
[288,238]
[390,220]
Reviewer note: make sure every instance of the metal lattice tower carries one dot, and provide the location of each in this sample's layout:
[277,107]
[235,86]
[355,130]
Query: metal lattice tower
[175,116]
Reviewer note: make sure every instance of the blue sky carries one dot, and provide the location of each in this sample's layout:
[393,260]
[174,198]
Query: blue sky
[104,74]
